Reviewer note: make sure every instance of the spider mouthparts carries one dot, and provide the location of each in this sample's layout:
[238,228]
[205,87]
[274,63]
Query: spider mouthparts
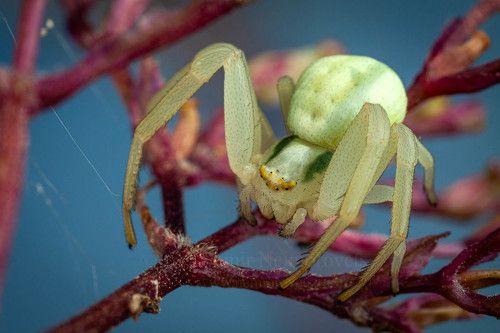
[250,220]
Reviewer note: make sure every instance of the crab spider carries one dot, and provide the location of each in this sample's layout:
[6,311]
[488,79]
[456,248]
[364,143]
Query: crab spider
[345,118]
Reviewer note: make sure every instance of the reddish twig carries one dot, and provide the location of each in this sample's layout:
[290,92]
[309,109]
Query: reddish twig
[446,69]
[17,98]
[155,30]
[420,311]
[438,117]
[447,281]
[199,265]
[152,285]
[468,81]
[465,199]
[121,17]
[76,13]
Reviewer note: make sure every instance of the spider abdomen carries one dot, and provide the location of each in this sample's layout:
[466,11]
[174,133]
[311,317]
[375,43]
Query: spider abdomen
[331,91]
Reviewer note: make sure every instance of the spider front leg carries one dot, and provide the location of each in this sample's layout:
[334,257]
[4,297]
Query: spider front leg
[348,179]
[285,87]
[247,132]
[245,197]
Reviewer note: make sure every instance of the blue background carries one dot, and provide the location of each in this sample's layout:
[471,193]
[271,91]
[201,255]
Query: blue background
[69,250]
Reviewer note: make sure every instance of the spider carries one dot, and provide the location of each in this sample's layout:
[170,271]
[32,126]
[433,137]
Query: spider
[345,119]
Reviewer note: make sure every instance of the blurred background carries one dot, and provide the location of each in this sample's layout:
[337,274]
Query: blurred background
[69,250]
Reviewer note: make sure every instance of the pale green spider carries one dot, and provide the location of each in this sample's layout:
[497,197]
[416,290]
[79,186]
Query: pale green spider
[345,116]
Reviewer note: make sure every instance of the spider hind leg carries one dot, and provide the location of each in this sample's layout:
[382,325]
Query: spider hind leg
[406,161]
[247,131]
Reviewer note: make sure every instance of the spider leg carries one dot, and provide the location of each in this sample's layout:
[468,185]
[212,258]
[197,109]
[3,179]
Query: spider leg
[425,158]
[298,218]
[246,204]
[285,87]
[379,193]
[246,129]
[360,150]
[406,160]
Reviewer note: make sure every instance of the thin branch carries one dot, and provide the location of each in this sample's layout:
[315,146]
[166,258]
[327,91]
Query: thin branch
[469,81]
[122,16]
[154,31]
[28,35]
[16,101]
[465,199]
[199,265]
[447,281]
[446,70]
[153,284]
[439,117]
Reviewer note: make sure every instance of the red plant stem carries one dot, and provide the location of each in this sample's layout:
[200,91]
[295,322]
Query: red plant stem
[235,234]
[161,157]
[468,81]
[152,32]
[450,283]
[350,242]
[476,16]
[447,283]
[455,119]
[28,35]
[114,309]
[198,265]
[463,79]
[16,100]
[77,25]
[123,16]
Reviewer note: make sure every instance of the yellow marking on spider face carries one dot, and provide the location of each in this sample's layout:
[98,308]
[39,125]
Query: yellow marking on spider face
[274,181]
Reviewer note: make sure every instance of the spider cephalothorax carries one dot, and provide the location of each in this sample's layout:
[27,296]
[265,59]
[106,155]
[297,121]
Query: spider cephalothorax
[345,121]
